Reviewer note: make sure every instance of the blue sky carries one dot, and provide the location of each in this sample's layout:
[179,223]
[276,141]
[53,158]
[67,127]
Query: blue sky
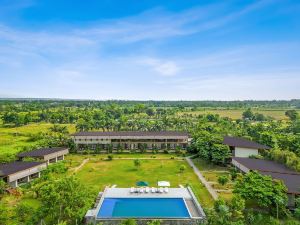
[145,49]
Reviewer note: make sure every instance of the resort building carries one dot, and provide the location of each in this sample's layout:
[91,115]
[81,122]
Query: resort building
[172,206]
[241,147]
[16,173]
[130,140]
[290,178]
[50,155]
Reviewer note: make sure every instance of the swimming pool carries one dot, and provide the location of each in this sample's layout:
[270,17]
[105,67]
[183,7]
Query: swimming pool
[143,208]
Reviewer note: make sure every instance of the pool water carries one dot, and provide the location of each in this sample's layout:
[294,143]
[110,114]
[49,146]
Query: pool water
[143,208]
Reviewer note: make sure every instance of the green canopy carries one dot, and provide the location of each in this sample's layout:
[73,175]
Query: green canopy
[142,183]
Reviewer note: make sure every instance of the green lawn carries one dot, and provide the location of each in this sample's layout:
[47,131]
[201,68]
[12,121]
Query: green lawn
[12,139]
[98,173]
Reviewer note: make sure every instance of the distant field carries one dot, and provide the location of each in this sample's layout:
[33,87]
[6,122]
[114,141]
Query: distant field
[13,139]
[98,173]
[278,114]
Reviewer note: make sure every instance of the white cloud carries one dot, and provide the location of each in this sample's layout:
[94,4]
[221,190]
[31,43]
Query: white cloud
[162,67]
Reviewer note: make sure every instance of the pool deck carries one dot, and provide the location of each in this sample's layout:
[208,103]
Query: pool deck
[195,210]
[125,193]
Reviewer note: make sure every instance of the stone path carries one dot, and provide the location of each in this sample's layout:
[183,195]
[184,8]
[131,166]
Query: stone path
[212,192]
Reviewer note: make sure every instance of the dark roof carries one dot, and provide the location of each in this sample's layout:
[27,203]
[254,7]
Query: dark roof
[291,181]
[132,133]
[290,178]
[242,142]
[41,152]
[14,167]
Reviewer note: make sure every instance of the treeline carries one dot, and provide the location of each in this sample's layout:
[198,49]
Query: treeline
[37,104]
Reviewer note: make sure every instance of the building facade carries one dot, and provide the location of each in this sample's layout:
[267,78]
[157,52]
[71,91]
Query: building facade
[131,140]
[16,173]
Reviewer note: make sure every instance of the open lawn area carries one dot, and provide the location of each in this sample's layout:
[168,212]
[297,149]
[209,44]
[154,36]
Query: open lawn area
[12,139]
[97,173]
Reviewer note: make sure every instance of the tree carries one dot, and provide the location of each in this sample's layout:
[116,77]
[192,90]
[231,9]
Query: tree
[128,222]
[248,114]
[263,189]
[220,154]
[223,180]
[2,186]
[24,212]
[182,168]
[292,114]
[65,199]
[137,163]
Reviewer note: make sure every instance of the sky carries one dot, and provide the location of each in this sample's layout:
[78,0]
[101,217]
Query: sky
[150,50]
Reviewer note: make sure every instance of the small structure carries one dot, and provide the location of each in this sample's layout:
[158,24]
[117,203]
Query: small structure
[289,177]
[177,206]
[241,147]
[50,155]
[20,172]
[163,184]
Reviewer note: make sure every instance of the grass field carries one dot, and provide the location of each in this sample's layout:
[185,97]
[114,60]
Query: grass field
[98,173]
[278,114]
[12,139]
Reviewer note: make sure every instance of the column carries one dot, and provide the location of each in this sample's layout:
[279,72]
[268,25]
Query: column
[39,174]
[56,159]
[27,179]
[14,183]
[63,157]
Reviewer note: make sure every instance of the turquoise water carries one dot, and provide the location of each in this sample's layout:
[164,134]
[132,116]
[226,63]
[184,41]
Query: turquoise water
[143,208]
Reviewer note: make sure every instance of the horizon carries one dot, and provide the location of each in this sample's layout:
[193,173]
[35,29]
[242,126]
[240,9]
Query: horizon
[150,51]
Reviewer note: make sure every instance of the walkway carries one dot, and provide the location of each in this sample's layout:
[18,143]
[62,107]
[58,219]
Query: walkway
[81,165]
[212,192]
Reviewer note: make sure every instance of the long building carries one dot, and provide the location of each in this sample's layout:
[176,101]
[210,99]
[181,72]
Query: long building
[16,173]
[50,155]
[130,140]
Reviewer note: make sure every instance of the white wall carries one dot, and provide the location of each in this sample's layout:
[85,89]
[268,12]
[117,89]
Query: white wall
[245,152]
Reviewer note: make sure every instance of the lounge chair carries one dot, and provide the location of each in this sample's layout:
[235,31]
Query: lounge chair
[132,190]
[141,190]
[153,189]
[147,190]
[166,189]
[161,190]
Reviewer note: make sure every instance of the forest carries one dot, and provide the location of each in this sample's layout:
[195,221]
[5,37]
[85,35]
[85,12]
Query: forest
[273,123]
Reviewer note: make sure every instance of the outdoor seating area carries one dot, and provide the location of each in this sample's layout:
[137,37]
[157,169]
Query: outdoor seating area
[143,187]
[149,190]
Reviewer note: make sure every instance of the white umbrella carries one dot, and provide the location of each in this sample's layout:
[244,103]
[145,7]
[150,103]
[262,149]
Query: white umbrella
[163,184]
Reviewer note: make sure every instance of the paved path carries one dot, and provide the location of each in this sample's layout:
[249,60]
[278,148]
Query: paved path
[202,179]
[81,165]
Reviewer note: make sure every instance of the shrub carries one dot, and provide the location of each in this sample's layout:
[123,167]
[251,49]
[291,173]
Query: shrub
[223,180]
[110,157]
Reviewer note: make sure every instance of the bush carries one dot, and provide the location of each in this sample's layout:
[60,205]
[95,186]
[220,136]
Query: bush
[223,180]
[182,168]
[110,157]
